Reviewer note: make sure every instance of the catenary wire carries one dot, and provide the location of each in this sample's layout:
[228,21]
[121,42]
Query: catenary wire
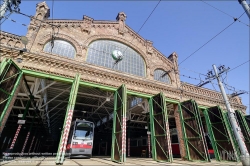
[109,53]
[238,66]
[209,40]
[224,12]
[131,41]
[179,67]
[144,22]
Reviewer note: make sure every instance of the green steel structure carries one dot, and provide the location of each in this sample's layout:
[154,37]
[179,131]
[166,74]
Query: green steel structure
[247,118]
[220,134]
[232,137]
[160,134]
[218,126]
[10,76]
[118,151]
[193,133]
[244,128]
[67,121]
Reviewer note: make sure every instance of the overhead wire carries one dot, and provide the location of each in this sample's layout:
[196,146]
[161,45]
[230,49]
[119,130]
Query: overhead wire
[140,30]
[6,17]
[238,66]
[224,12]
[210,40]
[179,66]
[144,23]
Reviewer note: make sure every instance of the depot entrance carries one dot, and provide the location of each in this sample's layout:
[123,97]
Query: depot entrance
[44,102]
[127,124]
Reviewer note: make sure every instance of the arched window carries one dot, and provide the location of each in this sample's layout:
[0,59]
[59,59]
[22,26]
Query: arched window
[61,47]
[161,75]
[117,56]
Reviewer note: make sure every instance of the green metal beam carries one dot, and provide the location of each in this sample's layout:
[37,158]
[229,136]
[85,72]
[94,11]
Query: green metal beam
[84,83]
[211,134]
[191,121]
[3,64]
[220,134]
[118,152]
[129,92]
[48,76]
[160,138]
[11,97]
[67,121]
[244,128]
[108,88]
[231,134]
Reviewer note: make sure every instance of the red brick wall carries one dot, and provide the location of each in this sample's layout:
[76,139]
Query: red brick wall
[180,133]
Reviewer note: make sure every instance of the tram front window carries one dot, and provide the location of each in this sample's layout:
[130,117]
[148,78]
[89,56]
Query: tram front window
[83,131]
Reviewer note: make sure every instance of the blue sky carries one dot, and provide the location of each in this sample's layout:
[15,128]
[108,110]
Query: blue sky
[175,26]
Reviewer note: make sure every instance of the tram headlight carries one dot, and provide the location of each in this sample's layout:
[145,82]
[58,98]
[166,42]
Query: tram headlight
[89,143]
[75,143]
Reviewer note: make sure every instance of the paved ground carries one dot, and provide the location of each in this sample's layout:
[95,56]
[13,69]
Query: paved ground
[41,161]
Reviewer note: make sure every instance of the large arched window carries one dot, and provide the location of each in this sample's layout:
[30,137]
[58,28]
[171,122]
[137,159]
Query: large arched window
[161,75]
[61,47]
[101,52]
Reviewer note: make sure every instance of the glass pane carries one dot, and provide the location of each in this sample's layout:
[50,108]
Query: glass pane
[101,54]
[61,48]
[161,75]
[83,130]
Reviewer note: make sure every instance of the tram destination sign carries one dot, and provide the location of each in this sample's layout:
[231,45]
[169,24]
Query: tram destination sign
[21,122]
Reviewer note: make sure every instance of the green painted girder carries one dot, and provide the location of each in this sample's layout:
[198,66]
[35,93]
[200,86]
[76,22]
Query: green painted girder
[67,120]
[219,131]
[232,136]
[4,78]
[192,129]
[118,151]
[160,138]
[244,128]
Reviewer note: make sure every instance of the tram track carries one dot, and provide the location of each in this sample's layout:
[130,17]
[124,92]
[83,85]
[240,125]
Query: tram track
[40,162]
[101,162]
[76,162]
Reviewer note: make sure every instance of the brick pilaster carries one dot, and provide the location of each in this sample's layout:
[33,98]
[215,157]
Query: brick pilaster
[180,133]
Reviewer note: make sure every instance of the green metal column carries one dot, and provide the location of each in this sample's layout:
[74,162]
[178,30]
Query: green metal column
[244,128]
[118,152]
[10,76]
[220,135]
[67,121]
[232,137]
[160,134]
[193,132]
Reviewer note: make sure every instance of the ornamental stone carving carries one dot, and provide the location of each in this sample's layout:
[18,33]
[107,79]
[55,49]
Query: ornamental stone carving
[87,24]
[149,46]
[81,33]
[121,17]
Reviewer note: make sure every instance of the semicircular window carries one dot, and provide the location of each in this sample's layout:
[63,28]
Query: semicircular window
[61,47]
[117,56]
[161,75]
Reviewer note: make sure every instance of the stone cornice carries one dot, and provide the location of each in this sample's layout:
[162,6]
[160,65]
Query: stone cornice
[96,74]
[6,34]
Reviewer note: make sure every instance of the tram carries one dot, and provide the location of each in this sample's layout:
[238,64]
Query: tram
[80,140]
